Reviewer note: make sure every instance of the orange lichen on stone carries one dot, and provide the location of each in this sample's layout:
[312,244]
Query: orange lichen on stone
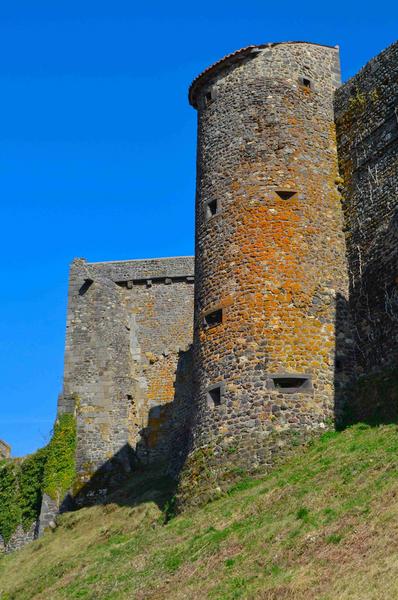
[275,256]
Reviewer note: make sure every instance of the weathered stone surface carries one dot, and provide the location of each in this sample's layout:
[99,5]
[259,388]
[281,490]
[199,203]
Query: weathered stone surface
[19,539]
[49,510]
[272,257]
[295,277]
[127,360]
[367,133]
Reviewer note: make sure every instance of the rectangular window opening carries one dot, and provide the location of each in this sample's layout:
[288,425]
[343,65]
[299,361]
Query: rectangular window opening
[286,194]
[214,395]
[211,208]
[290,384]
[212,319]
[306,83]
[208,98]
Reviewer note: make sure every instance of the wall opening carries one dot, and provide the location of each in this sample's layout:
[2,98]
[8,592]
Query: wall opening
[211,208]
[288,383]
[213,318]
[305,82]
[286,194]
[208,97]
[86,285]
[214,395]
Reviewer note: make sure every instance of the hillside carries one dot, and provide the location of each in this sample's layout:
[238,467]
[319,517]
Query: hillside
[324,526]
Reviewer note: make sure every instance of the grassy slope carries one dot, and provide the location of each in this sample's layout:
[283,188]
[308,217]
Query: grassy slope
[322,526]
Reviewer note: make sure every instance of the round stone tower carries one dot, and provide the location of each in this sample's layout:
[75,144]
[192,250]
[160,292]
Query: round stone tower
[270,253]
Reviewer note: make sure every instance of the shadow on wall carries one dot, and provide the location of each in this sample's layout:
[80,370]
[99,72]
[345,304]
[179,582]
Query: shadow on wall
[149,472]
[366,370]
[166,436]
[344,361]
[113,484]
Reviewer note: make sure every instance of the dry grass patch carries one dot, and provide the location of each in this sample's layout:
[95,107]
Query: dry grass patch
[322,526]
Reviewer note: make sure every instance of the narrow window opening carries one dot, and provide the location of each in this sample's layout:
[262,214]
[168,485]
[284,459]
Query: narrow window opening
[212,319]
[285,382]
[211,208]
[208,98]
[86,285]
[290,384]
[305,82]
[215,395]
[286,194]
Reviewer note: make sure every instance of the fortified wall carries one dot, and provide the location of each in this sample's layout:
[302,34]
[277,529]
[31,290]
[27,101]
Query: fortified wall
[128,360]
[292,325]
[367,132]
[295,279]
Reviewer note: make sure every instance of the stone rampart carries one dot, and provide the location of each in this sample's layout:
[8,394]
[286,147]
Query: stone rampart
[129,332]
[367,133]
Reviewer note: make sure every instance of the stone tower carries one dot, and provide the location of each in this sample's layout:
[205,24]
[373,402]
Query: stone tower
[270,252]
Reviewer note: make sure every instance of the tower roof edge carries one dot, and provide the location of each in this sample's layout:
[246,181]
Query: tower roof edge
[235,57]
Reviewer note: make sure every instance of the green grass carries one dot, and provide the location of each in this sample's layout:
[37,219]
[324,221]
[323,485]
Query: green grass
[321,526]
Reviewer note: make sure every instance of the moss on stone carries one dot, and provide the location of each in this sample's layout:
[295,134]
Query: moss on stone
[23,481]
[60,469]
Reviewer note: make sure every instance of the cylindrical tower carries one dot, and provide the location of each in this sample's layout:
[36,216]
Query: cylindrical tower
[270,254]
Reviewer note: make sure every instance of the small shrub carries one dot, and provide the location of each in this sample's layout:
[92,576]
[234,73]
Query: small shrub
[229,562]
[169,510]
[335,538]
[173,562]
[302,514]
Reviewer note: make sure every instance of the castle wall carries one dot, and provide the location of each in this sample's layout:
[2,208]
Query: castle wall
[19,539]
[367,132]
[273,262]
[129,331]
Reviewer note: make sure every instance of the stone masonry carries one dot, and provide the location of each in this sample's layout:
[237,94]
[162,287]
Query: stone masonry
[19,539]
[290,305]
[270,248]
[367,133]
[127,359]
[294,316]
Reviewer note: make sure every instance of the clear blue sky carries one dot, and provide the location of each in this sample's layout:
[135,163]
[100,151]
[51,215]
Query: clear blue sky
[97,150]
